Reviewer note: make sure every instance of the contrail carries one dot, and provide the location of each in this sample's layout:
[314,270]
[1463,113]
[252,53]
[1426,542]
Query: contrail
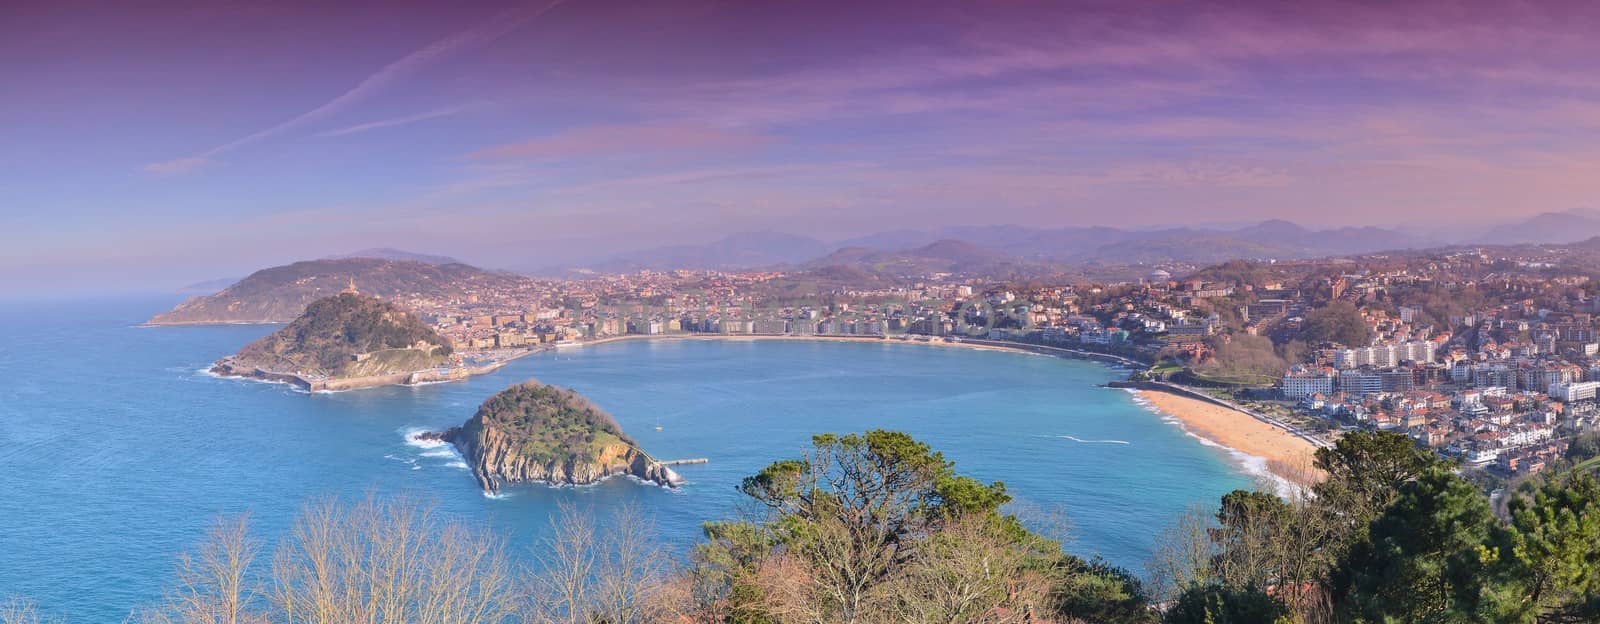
[485,33]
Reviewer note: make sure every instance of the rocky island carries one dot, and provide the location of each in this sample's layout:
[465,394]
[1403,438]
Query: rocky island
[532,432]
[349,341]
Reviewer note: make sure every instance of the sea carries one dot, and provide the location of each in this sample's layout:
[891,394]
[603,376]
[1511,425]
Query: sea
[118,449]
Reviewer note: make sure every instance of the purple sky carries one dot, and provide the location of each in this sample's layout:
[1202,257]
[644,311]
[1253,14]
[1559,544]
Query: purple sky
[165,142]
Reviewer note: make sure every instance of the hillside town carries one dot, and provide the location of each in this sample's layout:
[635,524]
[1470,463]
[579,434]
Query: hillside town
[1488,358]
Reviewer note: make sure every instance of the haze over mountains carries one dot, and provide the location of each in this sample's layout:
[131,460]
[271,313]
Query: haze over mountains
[1015,250]
[1030,247]
[1022,246]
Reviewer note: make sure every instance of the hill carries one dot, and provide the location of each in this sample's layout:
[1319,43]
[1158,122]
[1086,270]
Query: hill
[280,294]
[743,250]
[343,336]
[1012,250]
[532,432]
[1550,227]
[389,253]
[941,256]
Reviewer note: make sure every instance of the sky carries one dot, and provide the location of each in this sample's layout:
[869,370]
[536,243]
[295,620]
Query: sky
[151,144]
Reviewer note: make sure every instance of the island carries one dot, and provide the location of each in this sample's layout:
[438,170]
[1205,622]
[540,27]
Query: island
[538,433]
[351,341]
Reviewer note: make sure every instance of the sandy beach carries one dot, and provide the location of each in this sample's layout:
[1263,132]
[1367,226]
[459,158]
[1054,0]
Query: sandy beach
[1287,455]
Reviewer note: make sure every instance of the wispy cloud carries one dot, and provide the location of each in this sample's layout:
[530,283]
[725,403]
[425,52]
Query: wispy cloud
[396,121]
[483,34]
[610,139]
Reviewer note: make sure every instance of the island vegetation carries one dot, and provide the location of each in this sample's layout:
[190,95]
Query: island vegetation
[532,432]
[340,337]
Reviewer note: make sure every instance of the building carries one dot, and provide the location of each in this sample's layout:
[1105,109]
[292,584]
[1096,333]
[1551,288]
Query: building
[1574,391]
[1300,384]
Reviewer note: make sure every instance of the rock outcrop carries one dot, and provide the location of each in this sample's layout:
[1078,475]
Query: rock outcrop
[534,433]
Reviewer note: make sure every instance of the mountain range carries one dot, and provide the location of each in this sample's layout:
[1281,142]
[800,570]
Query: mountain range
[1026,249]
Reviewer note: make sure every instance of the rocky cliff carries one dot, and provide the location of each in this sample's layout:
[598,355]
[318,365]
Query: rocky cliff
[537,433]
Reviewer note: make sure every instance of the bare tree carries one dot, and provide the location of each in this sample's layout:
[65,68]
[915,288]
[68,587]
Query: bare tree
[565,560]
[213,584]
[387,563]
[1182,555]
[631,579]
[19,611]
[968,572]
[618,575]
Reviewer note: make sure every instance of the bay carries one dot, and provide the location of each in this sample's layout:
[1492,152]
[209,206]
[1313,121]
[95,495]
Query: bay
[117,450]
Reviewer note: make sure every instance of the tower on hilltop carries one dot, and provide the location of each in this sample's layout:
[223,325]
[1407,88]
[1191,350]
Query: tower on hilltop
[351,289]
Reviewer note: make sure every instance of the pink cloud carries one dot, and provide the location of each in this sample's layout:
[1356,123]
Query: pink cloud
[618,139]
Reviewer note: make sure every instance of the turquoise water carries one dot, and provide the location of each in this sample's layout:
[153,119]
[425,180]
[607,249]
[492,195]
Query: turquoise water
[115,451]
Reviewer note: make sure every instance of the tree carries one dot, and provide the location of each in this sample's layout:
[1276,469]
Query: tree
[19,611]
[1365,471]
[214,584]
[967,573]
[878,527]
[1545,565]
[723,570]
[1222,604]
[389,561]
[851,508]
[1420,555]
[1339,322]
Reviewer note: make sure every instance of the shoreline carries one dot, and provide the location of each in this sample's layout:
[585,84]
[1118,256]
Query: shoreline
[1284,454]
[423,377]
[936,341]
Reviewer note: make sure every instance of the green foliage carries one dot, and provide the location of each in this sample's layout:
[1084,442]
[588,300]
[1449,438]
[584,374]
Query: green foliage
[1584,446]
[1096,591]
[1420,555]
[880,525]
[1339,322]
[548,423]
[1219,604]
[332,332]
[1365,471]
[722,569]
[1545,565]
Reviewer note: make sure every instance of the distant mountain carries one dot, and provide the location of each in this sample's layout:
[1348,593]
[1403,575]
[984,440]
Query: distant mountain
[941,256]
[387,253]
[1108,245]
[1022,247]
[738,251]
[279,294]
[1550,227]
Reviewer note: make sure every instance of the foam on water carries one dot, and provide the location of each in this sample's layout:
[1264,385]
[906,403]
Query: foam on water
[1083,441]
[1251,465]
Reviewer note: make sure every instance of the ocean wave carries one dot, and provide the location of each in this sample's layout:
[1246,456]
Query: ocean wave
[241,379]
[434,449]
[413,438]
[1083,441]
[1250,465]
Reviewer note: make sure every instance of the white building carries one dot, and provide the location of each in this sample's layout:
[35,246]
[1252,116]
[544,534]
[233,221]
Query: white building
[1574,391]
